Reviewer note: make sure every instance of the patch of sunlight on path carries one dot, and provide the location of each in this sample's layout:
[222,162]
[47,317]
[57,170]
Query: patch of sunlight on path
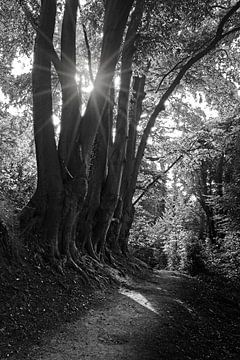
[139,298]
[142,300]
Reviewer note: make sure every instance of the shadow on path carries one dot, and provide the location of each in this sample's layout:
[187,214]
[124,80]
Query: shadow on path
[171,317]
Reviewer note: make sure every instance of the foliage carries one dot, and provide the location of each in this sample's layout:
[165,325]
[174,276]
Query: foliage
[178,232]
[17,164]
[181,135]
[224,258]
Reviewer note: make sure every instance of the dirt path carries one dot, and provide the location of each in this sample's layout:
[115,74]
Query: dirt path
[171,317]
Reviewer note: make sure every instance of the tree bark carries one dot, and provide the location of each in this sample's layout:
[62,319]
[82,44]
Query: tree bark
[129,175]
[72,166]
[49,187]
[111,190]
[97,177]
[115,19]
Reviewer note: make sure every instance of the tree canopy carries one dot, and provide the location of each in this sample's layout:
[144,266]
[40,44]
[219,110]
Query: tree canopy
[134,107]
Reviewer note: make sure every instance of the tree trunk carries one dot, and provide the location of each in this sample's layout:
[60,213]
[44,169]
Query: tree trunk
[72,165]
[115,19]
[130,173]
[49,188]
[97,177]
[111,190]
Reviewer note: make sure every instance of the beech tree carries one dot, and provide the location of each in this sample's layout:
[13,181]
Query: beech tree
[68,179]
[87,175]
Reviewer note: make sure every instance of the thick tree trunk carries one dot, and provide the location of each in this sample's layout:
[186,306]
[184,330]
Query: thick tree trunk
[116,15]
[130,173]
[70,98]
[63,173]
[97,177]
[111,190]
[72,165]
[50,187]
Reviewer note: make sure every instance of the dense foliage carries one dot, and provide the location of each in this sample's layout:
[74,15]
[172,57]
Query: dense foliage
[144,122]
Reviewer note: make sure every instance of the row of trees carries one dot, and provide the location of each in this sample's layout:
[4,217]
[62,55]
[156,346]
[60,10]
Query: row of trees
[141,57]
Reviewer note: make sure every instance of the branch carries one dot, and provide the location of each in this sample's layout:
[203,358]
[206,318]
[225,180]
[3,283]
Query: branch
[88,53]
[156,179]
[186,152]
[219,6]
[193,60]
[170,71]
[54,56]
[221,25]
[152,158]
[226,18]
[233,30]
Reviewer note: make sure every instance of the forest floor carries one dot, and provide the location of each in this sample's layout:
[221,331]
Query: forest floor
[163,315]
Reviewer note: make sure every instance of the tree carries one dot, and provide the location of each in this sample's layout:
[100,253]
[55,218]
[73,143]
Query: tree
[87,181]
[62,173]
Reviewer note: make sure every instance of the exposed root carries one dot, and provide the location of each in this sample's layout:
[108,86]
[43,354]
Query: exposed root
[90,250]
[140,263]
[57,265]
[115,264]
[72,264]
[95,261]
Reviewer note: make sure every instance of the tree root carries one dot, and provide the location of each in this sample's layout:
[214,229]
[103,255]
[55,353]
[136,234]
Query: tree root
[57,265]
[73,265]
[140,263]
[115,264]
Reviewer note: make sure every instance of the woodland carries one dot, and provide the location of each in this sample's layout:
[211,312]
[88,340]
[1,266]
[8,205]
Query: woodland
[120,135]
[119,154]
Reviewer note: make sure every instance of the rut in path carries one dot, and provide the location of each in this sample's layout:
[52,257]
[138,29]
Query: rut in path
[171,317]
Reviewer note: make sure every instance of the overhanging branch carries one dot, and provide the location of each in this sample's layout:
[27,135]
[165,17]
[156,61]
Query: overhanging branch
[156,179]
[175,67]
[193,60]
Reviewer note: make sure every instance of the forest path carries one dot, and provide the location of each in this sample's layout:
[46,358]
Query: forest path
[173,316]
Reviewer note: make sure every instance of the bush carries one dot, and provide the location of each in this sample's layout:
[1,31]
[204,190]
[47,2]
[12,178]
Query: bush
[224,257]
[9,233]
